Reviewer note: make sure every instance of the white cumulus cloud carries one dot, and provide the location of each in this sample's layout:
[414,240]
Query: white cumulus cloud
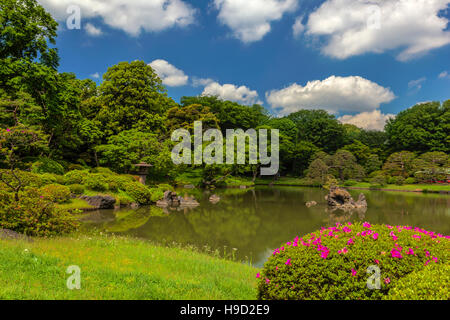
[131,16]
[169,74]
[334,94]
[298,27]
[444,75]
[374,120]
[416,85]
[93,30]
[354,27]
[201,82]
[250,20]
[231,92]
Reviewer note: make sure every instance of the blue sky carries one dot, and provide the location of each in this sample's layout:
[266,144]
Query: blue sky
[363,60]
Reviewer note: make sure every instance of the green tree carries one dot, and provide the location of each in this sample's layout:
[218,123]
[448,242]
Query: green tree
[320,128]
[422,128]
[130,147]
[431,166]
[184,117]
[231,115]
[399,164]
[130,93]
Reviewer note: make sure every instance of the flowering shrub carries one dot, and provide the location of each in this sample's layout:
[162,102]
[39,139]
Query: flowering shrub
[33,215]
[430,283]
[332,263]
[55,193]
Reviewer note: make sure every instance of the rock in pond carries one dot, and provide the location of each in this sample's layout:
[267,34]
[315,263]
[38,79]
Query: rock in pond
[310,204]
[214,199]
[100,202]
[339,198]
[173,200]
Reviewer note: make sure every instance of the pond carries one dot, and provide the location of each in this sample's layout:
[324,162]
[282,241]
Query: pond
[249,224]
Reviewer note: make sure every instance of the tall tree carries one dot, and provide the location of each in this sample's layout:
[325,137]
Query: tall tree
[130,93]
[422,128]
[320,128]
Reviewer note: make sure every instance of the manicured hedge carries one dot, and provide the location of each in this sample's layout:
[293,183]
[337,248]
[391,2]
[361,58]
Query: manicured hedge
[430,283]
[332,263]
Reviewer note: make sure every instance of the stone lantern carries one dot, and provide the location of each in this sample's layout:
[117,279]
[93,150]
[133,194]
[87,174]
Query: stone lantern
[143,171]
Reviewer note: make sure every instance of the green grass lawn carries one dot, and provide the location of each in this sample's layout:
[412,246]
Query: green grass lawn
[292,181]
[74,204]
[118,268]
[407,187]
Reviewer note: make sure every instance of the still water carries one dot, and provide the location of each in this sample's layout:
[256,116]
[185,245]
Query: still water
[249,224]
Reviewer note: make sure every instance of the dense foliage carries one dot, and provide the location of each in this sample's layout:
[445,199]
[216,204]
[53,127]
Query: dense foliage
[336,263]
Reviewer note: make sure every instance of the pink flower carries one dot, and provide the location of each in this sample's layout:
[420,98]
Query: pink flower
[258,276]
[346,229]
[387,280]
[344,250]
[416,236]
[375,236]
[377,261]
[396,254]
[8,130]
[267,280]
[350,241]
[354,272]
[435,259]
[324,254]
[288,262]
[366,225]
[410,251]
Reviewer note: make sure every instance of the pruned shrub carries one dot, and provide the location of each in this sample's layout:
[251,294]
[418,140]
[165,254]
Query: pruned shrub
[33,215]
[55,193]
[75,177]
[430,283]
[77,189]
[46,165]
[96,182]
[140,193]
[399,180]
[378,181]
[410,180]
[350,183]
[157,194]
[332,263]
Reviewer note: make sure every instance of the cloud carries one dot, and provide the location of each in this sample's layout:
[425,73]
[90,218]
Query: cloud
[231,92]
[93,30]
[334,94]
[416,85]
[250,20]
[95,75]
[374,120]
[133,17]
[298,27]
[169,75]
[444,75]
[357,27]
[201,82]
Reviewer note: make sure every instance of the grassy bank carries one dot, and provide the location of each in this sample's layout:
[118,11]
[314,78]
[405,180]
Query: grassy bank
[118,268]
[299,182]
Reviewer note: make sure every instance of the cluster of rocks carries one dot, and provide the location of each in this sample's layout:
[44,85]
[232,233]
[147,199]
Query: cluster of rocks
[173,200]
[341,199]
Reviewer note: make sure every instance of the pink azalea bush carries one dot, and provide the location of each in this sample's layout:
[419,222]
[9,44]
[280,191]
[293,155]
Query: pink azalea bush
[332,263]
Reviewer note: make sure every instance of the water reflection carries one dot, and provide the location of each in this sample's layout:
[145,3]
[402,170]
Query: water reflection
[254,221]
